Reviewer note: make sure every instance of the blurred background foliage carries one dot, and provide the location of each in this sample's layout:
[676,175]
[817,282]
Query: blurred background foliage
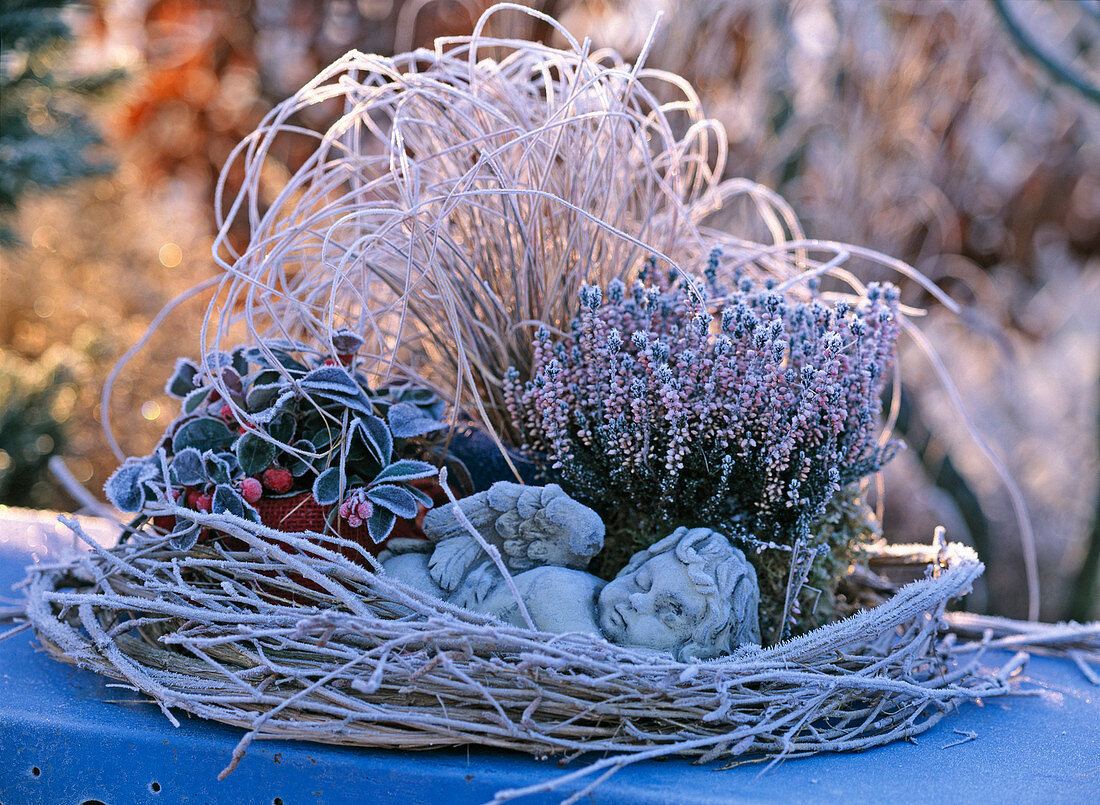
[45,135]
[927,129]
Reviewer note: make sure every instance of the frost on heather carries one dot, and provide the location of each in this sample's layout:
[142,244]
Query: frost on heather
[745,409]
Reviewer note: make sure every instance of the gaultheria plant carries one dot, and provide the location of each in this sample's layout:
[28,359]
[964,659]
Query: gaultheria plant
[747,412]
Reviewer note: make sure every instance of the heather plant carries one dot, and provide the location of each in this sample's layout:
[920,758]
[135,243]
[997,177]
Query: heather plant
[838,538]
[659,412]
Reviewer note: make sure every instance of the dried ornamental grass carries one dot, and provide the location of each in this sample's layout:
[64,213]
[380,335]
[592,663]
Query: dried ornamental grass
[468,193]
[462,201]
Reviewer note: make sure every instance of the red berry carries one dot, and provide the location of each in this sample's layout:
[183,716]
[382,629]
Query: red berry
[277,480]
[226,412]
[176,495]
[193,498]
[329,362]
[202,503]
[251,490]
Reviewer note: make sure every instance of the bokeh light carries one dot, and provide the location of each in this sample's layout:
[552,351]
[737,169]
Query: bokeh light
[170,255]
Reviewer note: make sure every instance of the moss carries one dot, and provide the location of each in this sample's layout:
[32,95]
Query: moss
[843,531]
[626,535]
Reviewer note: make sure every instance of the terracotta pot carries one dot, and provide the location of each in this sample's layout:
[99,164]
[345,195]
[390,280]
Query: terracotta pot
[299,512]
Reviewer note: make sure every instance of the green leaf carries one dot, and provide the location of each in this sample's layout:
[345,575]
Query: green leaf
[126,486]
[184,535]
[326,489]
[182,381]
[186,468]
[397,499]
[280,356]
[373,433]
[421,498]
[281,427]
[261,397]
[204,433]
[219,466]
[266,415]
[193,400]
[380,524]
[321,439]
[335,384]
[406,470]
[240,361]
[357,452]
[407,421]
[254,453]
[214,362]
[426,400]
[298,465]
[228,500]
[231,461]
[267,377]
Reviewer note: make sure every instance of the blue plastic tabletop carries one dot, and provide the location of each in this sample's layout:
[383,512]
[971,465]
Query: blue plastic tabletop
[69,736]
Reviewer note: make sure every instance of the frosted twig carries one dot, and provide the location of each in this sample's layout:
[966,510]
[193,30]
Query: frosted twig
[968,735]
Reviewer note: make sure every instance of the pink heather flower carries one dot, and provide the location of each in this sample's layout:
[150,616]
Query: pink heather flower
[756,421]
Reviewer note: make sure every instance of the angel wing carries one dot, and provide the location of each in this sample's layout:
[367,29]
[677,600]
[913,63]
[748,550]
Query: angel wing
[451,559]
[478,584]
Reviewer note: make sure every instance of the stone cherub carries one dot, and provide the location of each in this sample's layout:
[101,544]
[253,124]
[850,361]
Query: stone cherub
[691,594]
[531,526]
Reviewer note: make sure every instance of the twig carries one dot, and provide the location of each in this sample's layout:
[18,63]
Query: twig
[968,735]
[1079,659]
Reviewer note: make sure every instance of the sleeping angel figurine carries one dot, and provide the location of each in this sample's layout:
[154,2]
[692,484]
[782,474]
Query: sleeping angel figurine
[692,594]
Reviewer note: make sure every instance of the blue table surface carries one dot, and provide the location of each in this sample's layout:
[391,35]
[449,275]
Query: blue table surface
[67,736]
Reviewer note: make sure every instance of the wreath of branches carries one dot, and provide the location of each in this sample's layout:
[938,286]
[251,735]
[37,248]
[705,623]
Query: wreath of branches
[290,639]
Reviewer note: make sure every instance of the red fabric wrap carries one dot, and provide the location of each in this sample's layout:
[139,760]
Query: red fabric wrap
[301,513]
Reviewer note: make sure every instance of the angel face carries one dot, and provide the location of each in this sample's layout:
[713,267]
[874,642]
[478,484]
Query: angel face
[657,606]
